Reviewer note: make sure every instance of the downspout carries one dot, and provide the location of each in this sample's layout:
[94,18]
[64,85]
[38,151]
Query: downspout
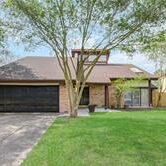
[150,93]
[106,97]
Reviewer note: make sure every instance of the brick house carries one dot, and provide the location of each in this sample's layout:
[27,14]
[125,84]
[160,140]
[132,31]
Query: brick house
[37,84]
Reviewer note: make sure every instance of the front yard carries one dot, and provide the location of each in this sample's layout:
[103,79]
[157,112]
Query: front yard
[104,139]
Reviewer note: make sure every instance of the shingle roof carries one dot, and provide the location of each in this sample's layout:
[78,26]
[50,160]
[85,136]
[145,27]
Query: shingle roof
[47,68]
[32,68]
[115,71]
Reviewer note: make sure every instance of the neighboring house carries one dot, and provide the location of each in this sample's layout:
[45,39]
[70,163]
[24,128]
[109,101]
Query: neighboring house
[159,95]
[37,84]
[163,82]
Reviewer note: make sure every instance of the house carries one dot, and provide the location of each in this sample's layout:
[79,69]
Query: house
[163,84]
[159,95]
[37,84]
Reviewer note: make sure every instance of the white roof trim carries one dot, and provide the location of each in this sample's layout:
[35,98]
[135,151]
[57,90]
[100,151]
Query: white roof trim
[136,70]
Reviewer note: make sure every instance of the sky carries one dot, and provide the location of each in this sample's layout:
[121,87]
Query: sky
[115,57]
[139,60]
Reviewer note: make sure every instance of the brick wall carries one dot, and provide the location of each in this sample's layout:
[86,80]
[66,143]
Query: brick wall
[97,95]
[64,102]
[112,97]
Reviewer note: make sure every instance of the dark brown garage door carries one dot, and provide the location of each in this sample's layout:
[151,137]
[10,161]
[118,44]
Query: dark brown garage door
[29,98]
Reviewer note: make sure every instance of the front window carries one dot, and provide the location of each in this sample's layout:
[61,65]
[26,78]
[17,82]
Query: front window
[136,97]
[103,58]
[144,97]
[139,97]
[128,99]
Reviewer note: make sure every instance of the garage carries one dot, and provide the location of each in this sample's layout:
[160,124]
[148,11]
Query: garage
[29,98]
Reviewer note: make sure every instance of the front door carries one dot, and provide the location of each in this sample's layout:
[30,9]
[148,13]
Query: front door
[85,97]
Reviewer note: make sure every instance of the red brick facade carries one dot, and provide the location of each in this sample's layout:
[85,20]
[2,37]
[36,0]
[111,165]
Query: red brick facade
[97,95]
[112,96]
[63,99]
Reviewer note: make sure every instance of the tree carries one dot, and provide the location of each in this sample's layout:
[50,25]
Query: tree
[1,34]
[2,45]
[161,73]
[155,49]
[5,54]
[123,85]
[61,24]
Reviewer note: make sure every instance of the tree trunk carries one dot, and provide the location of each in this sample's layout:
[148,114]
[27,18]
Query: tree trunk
[160,92]
[74,99]
[119,102]
[159,99]
[73,110]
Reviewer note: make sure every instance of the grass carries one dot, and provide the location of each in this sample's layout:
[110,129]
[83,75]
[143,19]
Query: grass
[104,139]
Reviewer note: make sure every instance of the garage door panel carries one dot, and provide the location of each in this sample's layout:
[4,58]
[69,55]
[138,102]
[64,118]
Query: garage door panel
[2,107]
[31,108]
[1,95]
[29,98]
[34,102]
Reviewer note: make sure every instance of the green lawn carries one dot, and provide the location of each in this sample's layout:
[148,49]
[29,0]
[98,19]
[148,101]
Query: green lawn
[104,139]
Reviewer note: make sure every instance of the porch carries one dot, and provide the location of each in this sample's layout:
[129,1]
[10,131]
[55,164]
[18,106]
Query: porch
[104,95]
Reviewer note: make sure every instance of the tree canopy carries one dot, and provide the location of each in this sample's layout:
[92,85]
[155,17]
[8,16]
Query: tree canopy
[106,24]
[155,49]
[1,34]
[5,54]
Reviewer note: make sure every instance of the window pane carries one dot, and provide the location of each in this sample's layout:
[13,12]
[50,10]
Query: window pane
[102,58]
[136,98]
[144,97]
[127,99]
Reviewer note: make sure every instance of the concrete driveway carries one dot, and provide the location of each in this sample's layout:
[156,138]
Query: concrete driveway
[19,132]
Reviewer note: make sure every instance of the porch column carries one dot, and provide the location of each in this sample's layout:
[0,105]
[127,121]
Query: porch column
[150,93]
[106,97]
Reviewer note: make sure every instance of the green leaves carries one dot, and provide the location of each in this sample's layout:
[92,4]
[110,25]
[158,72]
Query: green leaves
[9,3]
[2,35]
[124,85]
[109,24]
